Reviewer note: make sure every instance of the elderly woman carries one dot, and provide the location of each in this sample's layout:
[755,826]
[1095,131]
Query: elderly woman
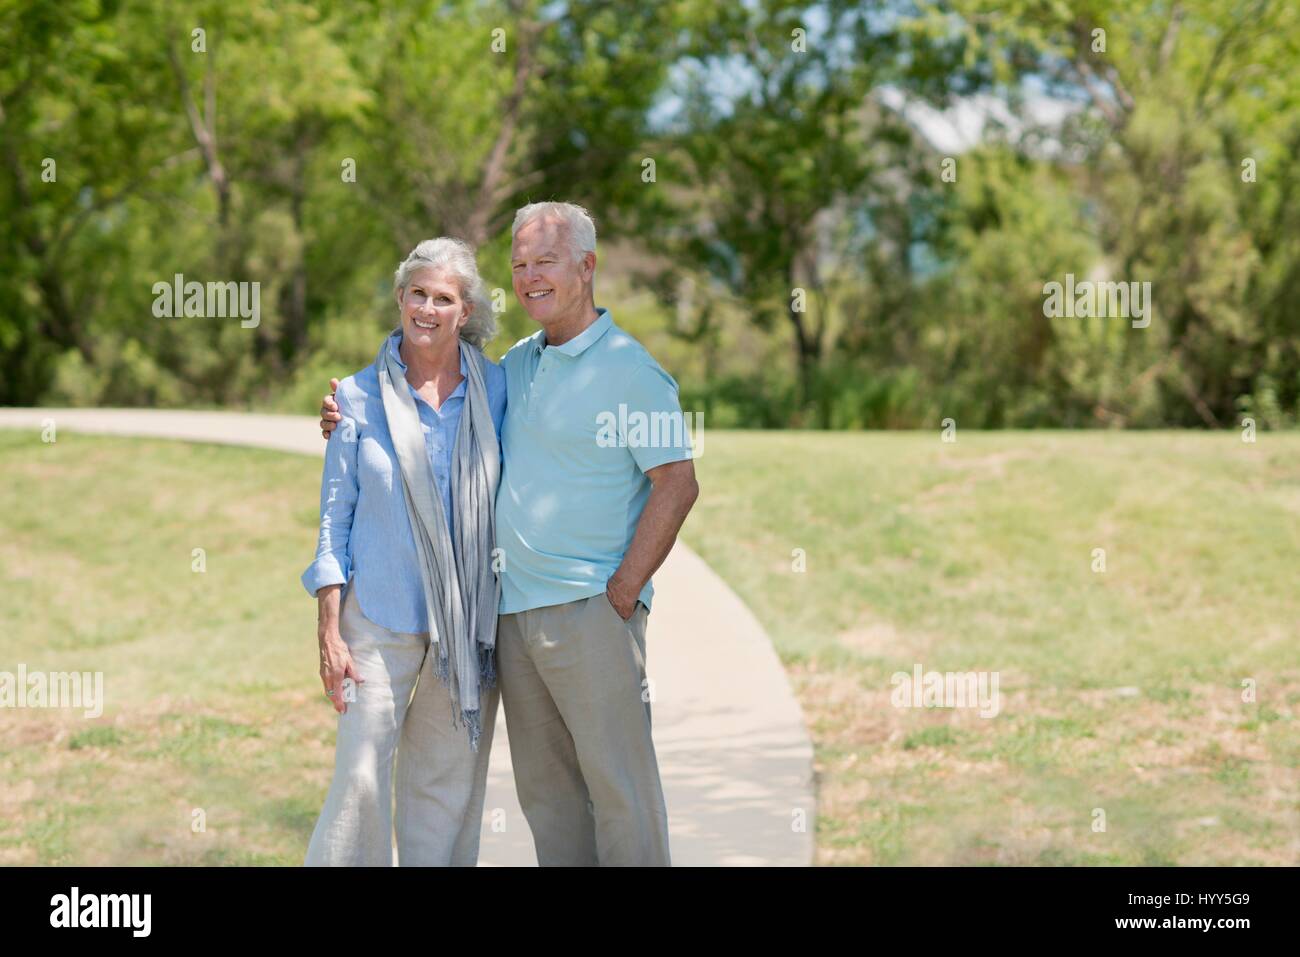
[404,578]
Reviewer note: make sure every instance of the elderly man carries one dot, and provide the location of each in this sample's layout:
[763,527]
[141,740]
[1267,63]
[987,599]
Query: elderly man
[582,523]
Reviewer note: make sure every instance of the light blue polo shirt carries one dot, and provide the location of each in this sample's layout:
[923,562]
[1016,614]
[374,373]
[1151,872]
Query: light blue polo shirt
[584,422]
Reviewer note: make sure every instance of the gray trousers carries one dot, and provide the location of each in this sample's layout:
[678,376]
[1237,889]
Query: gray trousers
[578,714]
[441,783]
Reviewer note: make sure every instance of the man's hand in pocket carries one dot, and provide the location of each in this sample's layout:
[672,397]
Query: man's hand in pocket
[621,597]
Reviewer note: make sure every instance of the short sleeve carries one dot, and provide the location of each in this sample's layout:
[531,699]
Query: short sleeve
[655,429]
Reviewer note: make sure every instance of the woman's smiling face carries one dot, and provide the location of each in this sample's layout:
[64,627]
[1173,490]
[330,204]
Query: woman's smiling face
[433,310]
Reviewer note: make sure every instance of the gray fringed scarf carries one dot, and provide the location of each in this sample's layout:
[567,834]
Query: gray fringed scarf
[461,589]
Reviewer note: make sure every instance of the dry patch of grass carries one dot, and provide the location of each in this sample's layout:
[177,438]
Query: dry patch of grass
[1120,690]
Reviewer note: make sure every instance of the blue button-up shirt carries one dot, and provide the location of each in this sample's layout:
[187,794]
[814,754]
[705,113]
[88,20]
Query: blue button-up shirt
[365,535]
[586,420]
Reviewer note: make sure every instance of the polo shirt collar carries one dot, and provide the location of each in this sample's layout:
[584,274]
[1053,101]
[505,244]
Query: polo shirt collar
[583,340]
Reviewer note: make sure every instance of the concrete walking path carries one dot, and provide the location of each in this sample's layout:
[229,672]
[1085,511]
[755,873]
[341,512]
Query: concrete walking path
[734,755]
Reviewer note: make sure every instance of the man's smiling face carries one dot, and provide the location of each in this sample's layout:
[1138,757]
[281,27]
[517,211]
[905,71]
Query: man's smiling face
[550,283]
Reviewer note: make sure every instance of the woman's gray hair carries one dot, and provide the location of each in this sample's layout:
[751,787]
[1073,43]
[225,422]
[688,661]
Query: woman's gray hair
[456,257]
[581,228]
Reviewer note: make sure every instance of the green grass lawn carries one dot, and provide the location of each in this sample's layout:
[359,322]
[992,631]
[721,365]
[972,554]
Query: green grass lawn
[212,699]
[1120,690]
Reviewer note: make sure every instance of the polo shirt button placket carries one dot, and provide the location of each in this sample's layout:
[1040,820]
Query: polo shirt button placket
[533,389]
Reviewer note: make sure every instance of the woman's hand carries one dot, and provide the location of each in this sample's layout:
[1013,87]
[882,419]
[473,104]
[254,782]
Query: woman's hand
[335,667]
[330,415]
[336,664]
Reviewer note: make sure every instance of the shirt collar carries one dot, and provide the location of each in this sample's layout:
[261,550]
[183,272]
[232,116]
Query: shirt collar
[395,347]
[583,340]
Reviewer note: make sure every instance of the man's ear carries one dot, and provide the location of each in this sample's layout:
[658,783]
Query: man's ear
[588,266]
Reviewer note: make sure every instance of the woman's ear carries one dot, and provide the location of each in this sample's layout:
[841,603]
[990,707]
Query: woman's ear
[397,294]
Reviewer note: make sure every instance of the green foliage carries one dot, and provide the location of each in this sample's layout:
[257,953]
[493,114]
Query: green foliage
[807,263]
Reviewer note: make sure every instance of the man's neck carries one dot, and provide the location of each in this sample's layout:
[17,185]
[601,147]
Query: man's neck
[562,330]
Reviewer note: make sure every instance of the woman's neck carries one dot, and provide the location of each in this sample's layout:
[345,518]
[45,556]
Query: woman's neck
[435,365]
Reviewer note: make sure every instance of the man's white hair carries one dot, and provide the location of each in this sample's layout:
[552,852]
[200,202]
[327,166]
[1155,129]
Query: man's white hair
[580,228]
[456,257]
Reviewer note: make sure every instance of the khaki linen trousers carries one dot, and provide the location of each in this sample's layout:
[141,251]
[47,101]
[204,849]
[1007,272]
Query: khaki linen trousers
[577,710]
[440,783]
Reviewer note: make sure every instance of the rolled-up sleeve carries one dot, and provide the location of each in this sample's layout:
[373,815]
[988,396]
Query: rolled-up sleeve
[338,499]
[659,432]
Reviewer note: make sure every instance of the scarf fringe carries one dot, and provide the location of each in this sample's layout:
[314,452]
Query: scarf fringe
[473,721]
